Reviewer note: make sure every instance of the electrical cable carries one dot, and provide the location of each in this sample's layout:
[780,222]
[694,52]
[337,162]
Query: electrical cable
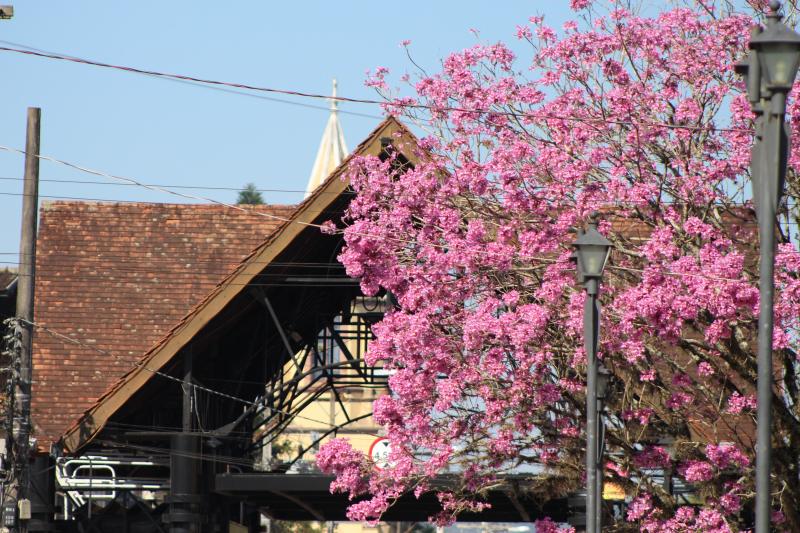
[73,59]
[233,206]
[743,203]
[178,267]
[140,364]
[122,259]
[155,187]
[193,197]
[298,283]
[332,283]
[248,210]
[215,88]
[204,199]
[193,187]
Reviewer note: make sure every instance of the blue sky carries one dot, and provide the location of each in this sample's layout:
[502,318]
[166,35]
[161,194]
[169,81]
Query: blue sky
[171,133]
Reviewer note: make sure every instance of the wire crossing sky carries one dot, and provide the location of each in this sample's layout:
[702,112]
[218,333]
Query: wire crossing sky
[164,131]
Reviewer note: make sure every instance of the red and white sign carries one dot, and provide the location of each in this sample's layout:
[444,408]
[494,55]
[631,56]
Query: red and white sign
[379,452]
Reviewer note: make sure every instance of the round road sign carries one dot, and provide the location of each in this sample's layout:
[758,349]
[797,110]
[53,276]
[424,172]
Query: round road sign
[379,452]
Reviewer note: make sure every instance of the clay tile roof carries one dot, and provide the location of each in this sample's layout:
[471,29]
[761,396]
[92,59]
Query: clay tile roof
[118,276]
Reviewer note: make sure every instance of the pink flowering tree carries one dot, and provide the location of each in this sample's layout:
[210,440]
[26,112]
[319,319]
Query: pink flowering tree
[637,117]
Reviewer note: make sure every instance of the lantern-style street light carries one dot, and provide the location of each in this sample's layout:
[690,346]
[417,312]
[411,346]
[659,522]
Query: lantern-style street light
[591,254]
[769,73]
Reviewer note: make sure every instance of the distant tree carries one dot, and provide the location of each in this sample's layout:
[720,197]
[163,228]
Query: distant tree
[250,195]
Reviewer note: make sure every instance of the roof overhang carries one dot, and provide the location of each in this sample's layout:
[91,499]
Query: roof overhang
[307,213]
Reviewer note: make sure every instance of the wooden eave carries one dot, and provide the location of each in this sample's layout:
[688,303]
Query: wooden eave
[83,431]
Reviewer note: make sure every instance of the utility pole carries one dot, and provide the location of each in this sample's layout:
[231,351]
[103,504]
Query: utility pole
[18,496]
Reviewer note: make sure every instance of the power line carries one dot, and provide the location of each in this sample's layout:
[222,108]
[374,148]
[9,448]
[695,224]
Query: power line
[193,187]
[219,89]
[201,198]
[408,105]
[140,364]
[238,189]
[171,261]
[81,198]
[85,270]
[156,188]
[723,204]
[253,212]
[284,280]
[184,268]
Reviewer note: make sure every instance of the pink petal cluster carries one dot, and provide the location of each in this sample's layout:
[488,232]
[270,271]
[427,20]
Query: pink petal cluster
[337,456]
[641,118]
[738,403]
[726,456]
[653,457]
[697,471]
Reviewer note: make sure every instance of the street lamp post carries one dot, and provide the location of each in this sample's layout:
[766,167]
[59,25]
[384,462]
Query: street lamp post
[603,378]
[591,252]
[769,73]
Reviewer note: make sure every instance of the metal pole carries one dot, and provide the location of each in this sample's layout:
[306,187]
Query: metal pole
[601,434]
[591,322]
[183,497]
[774,149]
[25,289]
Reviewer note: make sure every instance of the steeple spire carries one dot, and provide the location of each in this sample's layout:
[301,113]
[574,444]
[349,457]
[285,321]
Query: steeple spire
[332,148]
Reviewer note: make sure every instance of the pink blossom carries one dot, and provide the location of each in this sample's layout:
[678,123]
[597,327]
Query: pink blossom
[548,526]
[648,375]
[639,508]
[524,32]
[738,403]
[726,455]
[328,227]
[697,471]
[705,369]
[679,400]
[731,503]
[652,457]
[642,415]
[338,457]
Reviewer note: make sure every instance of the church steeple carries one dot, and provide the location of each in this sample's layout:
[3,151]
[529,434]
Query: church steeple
[332,148]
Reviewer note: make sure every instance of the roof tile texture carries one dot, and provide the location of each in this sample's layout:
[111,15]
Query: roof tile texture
[116,277]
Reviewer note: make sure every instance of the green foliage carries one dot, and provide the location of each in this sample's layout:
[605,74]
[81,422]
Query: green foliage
[250,195]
